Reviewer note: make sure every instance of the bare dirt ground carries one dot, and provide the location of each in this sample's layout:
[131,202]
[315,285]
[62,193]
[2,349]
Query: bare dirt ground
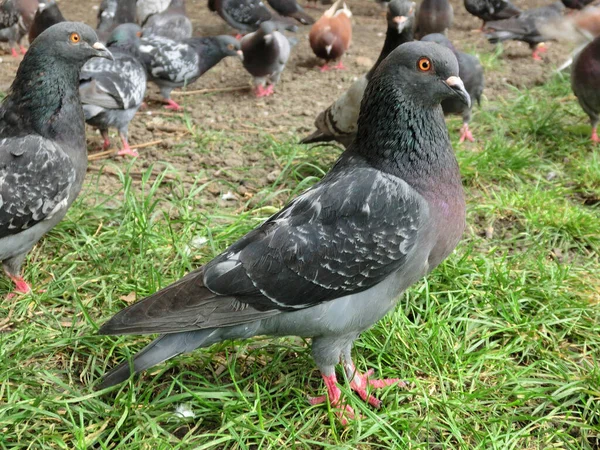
[302,92]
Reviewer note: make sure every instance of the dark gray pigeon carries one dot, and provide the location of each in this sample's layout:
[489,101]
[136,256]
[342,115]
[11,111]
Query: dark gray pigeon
[146,8]
[43,157]
[291,8]
[266,52]
[434,16]
[11,26]
[336,259]
[173,64]
[524,27]
[471,72]
[488,10]
[47,15]
[340,120]
[585,81]
[112,91]
[576,4]
[113,13]
[171,23]
[247,15]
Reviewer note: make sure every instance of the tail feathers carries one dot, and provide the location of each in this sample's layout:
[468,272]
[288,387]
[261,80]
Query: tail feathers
[303,18]
[161,349]
[317,136]
[499,36]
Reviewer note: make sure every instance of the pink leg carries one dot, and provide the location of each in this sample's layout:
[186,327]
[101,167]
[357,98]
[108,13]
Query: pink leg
[340,66]
[127,150]
[324,68]
[23,49]
[536,52]
[595,137]
[21,286]
[270,90]
[261,91]
[334,394]
[106,143]
[171,104]
[14,53]
[465,133]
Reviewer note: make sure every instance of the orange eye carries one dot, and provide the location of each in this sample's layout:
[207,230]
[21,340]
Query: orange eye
[74,38]
[230,46]
[424,64]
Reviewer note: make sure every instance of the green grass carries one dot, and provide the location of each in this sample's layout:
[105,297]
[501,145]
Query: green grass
[500,343]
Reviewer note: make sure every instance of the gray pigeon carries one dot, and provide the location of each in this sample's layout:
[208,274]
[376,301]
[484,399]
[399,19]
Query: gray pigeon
[488,10]
[266,52]
[172,64]
[47,15]
[471,72]
[434,16]
[113,13]
[524,27]
[336,259]
[171,23]
[291,8]
[43,157]
[339,121]
[585,81]
[146,8]
[11,26]
[247,15]
[112,91]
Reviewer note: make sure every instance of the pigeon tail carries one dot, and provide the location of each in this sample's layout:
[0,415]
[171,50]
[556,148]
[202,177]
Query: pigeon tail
[317,136]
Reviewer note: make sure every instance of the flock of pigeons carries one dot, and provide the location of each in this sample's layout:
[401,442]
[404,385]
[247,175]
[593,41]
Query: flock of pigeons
[335,260]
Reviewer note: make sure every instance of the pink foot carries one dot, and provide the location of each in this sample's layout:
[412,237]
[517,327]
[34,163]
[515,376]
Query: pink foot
[536,52]
[595,137]
[360,382]
[23,49]
[172,105]
[340,66]
[21,287]
[128,151]
[261,91]
[238,36]
[465,133]
[106,144]
[324,68]
[14,53]
[334,394]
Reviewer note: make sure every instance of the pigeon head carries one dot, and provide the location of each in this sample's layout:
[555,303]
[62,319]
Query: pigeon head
[267,29]
[71,42]
[400,14]
[125,35]
[440,39]
[229,46]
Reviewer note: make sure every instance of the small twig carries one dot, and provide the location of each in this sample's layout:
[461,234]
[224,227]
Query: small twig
[167,128]
[113,151]
[207,91]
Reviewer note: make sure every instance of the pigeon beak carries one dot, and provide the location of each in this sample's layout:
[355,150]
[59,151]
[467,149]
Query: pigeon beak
[400,22]
[458,87]
[102,51]
[240,54]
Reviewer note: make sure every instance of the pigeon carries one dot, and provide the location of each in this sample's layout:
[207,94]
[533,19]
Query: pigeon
[113,13]
[247,15]
[488,10]
[146,8]
[313,3]
[434,16]
[47,15]
[330,36]
[291,8]
[339,121]
[524,27]
[171,64]
[585,81]
[471,72]
[43,156]
[11,26]
[336,259]
[265,53]
[112,91]
[171,23]
[576,4]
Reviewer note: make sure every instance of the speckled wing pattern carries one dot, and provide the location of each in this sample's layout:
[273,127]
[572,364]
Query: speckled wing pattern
[35,179]
[250,12]
[118,84]
[169,60]
[8,14]
[336,239]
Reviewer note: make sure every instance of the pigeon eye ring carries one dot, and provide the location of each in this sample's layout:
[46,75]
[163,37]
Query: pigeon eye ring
[424,64]
[74,38]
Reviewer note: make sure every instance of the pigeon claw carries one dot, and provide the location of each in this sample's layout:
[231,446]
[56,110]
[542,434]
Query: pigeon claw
[340,66]
[465,133]
[324,68]
[360,382]
[595,137]
[14,52]
[261,91]
[128,151]
[173,105]
[334,395]
[23,49]
[21,286]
